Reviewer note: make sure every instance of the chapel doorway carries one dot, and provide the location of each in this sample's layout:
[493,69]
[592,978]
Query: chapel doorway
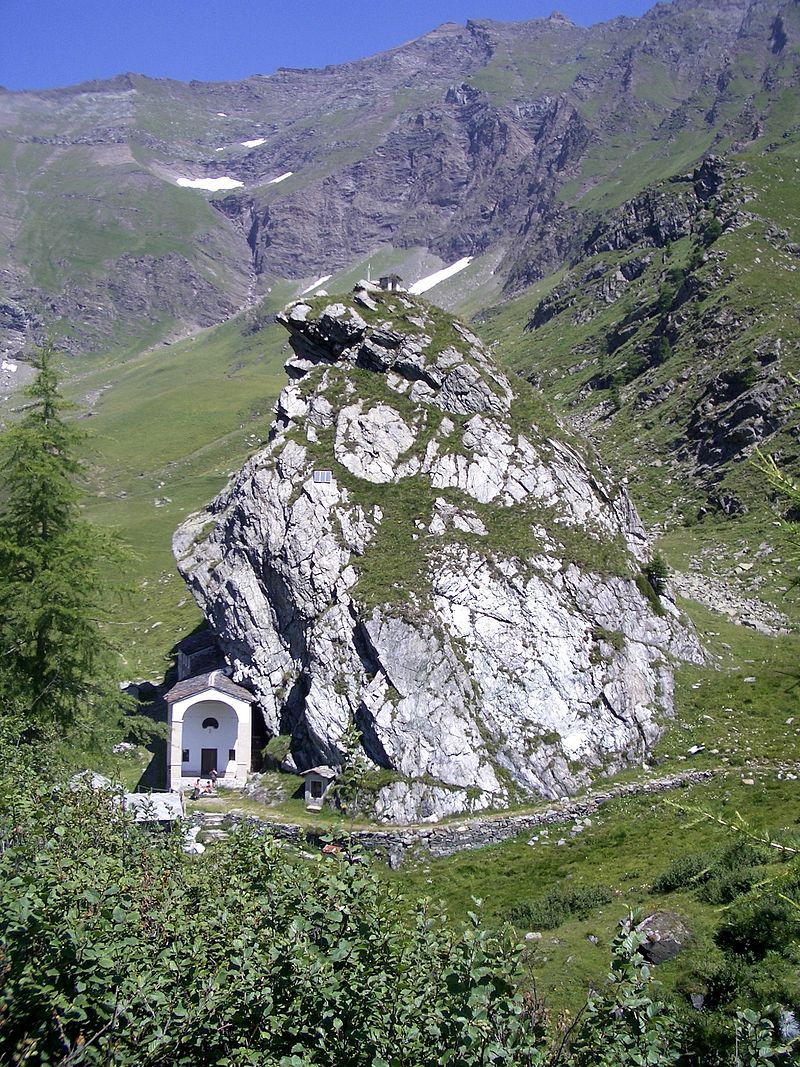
[208,761]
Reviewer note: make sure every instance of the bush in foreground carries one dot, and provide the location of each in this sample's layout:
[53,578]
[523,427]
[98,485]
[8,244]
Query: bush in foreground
[118,949]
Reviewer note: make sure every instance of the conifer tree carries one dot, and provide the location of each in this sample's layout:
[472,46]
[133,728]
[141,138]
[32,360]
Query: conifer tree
[55,662]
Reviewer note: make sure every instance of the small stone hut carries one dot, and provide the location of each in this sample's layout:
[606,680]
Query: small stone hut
[318,781]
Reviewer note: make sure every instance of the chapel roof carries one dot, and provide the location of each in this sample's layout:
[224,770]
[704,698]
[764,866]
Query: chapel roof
[194,642]
[189,687]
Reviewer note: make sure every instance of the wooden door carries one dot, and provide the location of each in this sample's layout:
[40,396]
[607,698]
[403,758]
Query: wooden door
[208,761]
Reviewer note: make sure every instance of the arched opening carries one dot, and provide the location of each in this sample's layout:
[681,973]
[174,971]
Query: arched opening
[209,739]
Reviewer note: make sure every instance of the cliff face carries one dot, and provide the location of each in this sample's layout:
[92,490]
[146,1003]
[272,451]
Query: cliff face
[421,550]
[674,334]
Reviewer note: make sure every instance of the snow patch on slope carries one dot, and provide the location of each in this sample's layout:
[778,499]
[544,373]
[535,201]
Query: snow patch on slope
[424,284]
[212,184]
[317,284]
[281,178]
[254,143]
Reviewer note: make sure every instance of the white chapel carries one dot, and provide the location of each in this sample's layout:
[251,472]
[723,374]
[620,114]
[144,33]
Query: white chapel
[210,729]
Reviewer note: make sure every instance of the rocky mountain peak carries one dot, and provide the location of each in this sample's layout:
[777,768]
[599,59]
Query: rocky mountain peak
[483,139]
[456,378]
[422,551]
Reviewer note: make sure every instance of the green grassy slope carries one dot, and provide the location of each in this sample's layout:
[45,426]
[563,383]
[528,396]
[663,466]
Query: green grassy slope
[140,258]
[629,844]
[168,428]
[632,361]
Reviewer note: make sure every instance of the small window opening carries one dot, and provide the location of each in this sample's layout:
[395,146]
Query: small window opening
[185,755]
[232,753]
[210,724]
[316,789]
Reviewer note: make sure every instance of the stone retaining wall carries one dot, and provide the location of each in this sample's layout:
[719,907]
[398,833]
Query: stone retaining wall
[396,843]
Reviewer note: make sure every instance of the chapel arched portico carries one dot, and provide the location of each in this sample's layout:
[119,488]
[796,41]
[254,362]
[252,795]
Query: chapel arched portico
[210,728]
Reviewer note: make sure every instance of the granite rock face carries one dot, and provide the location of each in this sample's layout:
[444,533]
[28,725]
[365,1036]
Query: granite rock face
[421,550]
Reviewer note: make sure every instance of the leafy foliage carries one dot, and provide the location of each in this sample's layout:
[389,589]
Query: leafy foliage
[118,949]
[755,1035]
[350,785]
[712,231]
[748,984]
[624,1024]
[758,926]
[657,573]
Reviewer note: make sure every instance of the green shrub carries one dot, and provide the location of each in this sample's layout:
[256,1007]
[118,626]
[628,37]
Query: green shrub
[558,905]
[719,875]
[276,750]
[657,573]
[745,376]
[712,232]
[118,949]
[645,587]
[669,290]
[615,638]
[756,927]
[636,365]
[685,872]
[736,871]
[726,886]
[663,350]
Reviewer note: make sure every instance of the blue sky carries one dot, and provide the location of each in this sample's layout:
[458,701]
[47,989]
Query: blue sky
[45,43]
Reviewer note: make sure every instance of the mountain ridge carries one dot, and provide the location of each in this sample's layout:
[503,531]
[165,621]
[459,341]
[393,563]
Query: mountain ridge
[465,140]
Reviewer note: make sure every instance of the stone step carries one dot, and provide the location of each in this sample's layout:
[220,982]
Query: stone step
[213,835]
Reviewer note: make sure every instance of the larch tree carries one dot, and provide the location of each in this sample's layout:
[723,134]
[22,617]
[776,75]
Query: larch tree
[55,661]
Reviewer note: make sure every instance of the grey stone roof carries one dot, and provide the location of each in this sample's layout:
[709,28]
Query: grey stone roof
[323,771]
[212,680]
[195,642]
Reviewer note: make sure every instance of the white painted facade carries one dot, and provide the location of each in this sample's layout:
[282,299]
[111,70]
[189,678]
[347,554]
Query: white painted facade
[209,728]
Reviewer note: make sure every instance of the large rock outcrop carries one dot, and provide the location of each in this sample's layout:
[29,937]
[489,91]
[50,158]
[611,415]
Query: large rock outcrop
[421,550]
